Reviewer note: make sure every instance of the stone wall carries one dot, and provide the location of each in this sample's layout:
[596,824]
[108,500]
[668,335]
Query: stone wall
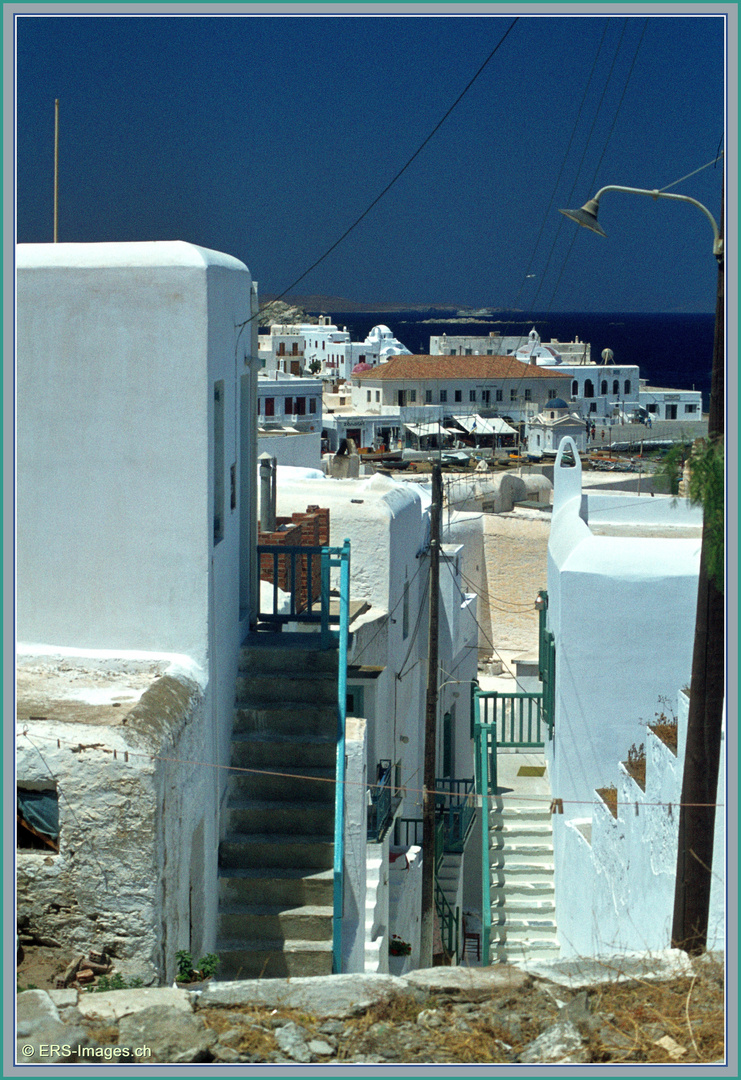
[137,841]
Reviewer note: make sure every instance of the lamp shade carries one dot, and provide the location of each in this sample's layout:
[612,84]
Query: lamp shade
[587,216]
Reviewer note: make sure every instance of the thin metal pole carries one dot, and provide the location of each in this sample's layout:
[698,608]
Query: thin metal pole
[428,787]
[56,166]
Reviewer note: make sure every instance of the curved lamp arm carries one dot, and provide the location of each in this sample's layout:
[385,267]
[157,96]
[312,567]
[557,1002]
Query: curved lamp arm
[587,215]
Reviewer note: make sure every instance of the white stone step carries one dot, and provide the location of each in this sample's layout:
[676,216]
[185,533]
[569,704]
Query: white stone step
[514,951]
[527,905]
[524,929]
[522,828]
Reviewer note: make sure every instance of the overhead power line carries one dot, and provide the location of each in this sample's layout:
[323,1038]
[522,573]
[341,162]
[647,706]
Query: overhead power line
[398,175]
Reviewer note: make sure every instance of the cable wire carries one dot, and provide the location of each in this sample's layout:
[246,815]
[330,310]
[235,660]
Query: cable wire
[398,175]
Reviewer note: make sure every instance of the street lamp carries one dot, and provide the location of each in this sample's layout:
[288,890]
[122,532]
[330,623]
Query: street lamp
[707,687]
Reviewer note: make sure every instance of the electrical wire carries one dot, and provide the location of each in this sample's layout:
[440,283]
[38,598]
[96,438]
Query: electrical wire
[399,174]
[242,770]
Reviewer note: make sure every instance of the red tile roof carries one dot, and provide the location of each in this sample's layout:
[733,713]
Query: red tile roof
[416,368]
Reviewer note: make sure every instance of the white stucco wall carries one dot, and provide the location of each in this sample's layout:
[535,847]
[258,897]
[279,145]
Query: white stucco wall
[615,888]
[303,450]
[118,350]
[622,610]
[355,836]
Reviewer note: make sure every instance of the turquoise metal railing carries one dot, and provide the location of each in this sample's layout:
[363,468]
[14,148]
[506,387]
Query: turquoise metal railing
[299,573]
[380,812]
[456,800]
[486,783]
[339,558]
[518,717]
[547,664]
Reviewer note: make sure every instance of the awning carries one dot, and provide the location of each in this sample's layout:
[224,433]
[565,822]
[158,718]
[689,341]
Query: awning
[421,430]
[477,425]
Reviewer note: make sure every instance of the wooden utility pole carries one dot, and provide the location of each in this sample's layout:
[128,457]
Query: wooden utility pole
[56,166]
[428,785]
[707,691]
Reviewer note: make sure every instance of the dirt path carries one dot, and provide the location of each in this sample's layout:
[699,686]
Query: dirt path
[516,560]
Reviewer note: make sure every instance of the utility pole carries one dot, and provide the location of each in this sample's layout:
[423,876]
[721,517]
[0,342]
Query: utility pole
[428,784]
[707,691]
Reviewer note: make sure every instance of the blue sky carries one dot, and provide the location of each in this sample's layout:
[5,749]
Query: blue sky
[266,137]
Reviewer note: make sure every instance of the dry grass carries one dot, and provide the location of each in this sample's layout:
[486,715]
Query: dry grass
[666,730]
[609,798]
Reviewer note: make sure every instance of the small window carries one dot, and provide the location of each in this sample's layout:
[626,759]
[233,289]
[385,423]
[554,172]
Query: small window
[499,395]
[627,386]
[282,349]
[615,387]
[367,395]
[588,388]
[355,702]
[443,395]
[575,388]
[270,406]
[471,395]
[690,408]
[551,395]
[458,395]
[428,397]
[485,396]
[412,395]
[528,394]
[513,394]
[289,406]
[469,352]
[593,407]
[603,387]
[378,395]
[452,352]
[37,819]
[312,404]
[301,406]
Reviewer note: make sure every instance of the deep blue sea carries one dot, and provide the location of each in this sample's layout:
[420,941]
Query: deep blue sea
[670,350]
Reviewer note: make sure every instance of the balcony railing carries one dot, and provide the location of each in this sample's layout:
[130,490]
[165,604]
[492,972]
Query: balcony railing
[380,811]
[456,805]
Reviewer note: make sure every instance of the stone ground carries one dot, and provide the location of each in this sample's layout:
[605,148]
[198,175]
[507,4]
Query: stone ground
[658,1010]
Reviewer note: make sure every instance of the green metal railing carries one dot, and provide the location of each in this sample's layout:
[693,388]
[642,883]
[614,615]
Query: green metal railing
[409,831]
[547,664]
[456,800]
[449,923]
[486,779]
[518,717]
[380,813]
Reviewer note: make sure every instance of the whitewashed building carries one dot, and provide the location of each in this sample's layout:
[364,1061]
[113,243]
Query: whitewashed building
[621,604]
[387,523]
[325,349]
[605,393]
[136,582]
[546,430]
[490,385]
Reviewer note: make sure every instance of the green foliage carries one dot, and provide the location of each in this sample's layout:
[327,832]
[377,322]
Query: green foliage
[188,971]
[115,982]
[707,489]
[315,367]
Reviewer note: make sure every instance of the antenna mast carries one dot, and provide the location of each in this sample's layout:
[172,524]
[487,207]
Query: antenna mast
[56,165]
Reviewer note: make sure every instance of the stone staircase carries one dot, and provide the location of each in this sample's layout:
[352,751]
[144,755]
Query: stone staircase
[522,882]
[275,861]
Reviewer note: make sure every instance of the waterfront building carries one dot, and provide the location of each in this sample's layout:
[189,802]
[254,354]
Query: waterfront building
[324,349]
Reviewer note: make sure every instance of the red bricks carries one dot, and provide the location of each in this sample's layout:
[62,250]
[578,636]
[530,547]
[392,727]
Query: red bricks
[308,529]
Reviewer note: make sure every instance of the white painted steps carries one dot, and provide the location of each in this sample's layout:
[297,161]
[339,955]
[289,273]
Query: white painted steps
[522,873]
